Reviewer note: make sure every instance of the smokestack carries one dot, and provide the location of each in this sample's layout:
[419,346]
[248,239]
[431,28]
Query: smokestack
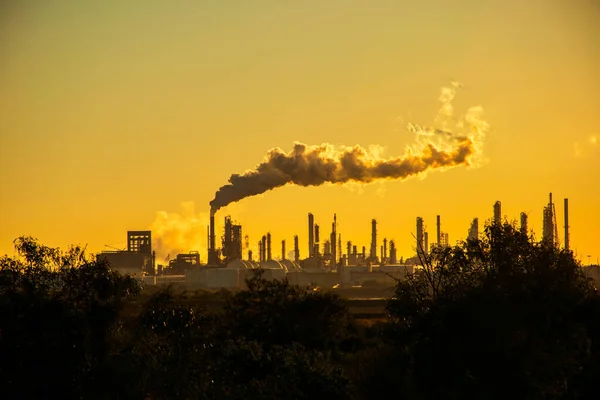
[474,229]
[260,251]
[566,224]
[334,241]
[381,253]
[419,236]
[348,248]
[339,251]
[283,249]
[296,249]
[384,256]
[373,254]
[212,259]
[497,213]
[269,247]
[439,230]
[393,259]
[524,228]
[317,239]
[249,255]
[264,248]
[311,231]
[426,247]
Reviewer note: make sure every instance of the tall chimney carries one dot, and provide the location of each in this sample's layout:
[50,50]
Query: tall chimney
[334,241]
[439,230]
[339,250]
[566,224]
[393,259]
[269,247]
[296,249]
[264,248]
[249,255]
[524,228]
[497,213]
[316,239]
[385,253]
[211,252]
[311,232]
[348,248]
[420,236]
[373,254]
[260,251]
[208,243]
[426,247]
[283,249]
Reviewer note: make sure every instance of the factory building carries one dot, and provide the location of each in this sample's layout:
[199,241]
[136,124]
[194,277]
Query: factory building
[138,260]
[327,263]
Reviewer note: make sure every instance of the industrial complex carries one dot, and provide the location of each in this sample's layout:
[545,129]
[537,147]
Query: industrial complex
[329,262]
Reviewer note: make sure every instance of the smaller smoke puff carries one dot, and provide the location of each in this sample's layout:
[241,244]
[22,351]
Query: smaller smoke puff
[176,233]
[450,144]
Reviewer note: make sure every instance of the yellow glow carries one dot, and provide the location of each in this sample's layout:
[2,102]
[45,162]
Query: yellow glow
[112,113]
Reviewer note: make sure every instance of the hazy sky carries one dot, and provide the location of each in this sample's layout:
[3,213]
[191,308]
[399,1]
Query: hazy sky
[112,111]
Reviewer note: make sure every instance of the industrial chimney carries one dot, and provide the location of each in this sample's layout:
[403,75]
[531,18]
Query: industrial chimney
[311,232]
[385,253]
[426,247]
[334,241]
[296,249]
[269,247]
[439,231]
[392,252]
[524,228]
[566,224]
[497,213]
[283,249]
[373,254]
[212,259]
[420,236]
[264,249]
[474,229]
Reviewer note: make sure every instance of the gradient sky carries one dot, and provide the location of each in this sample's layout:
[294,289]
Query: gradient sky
[112,111]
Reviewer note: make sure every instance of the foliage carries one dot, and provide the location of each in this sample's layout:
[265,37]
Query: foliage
[278,313]
[58,314]
[500,317]
[495,317]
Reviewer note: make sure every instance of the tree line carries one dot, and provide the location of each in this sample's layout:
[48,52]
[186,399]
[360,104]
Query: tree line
[495,318]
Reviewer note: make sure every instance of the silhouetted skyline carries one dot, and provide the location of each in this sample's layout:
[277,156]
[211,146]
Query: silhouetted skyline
[113,114]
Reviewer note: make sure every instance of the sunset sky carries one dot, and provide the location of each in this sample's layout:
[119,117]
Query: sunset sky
[127,115]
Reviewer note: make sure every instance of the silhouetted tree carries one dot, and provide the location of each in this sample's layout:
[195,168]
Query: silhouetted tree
[502,317]
[278,313]
[58,311]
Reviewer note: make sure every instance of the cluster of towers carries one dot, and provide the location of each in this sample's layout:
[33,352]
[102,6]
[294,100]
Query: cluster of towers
[423,245]
[549,224]
[329,253]
[332,254]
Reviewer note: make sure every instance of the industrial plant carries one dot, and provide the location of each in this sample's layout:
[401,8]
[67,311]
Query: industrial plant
[329,262]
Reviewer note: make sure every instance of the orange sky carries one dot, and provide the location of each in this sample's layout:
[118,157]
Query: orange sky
[111,112]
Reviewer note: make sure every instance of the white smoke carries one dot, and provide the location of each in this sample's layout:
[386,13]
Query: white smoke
[175,233]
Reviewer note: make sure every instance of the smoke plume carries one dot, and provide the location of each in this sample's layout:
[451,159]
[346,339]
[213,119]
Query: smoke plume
[176,233]
[449,144]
